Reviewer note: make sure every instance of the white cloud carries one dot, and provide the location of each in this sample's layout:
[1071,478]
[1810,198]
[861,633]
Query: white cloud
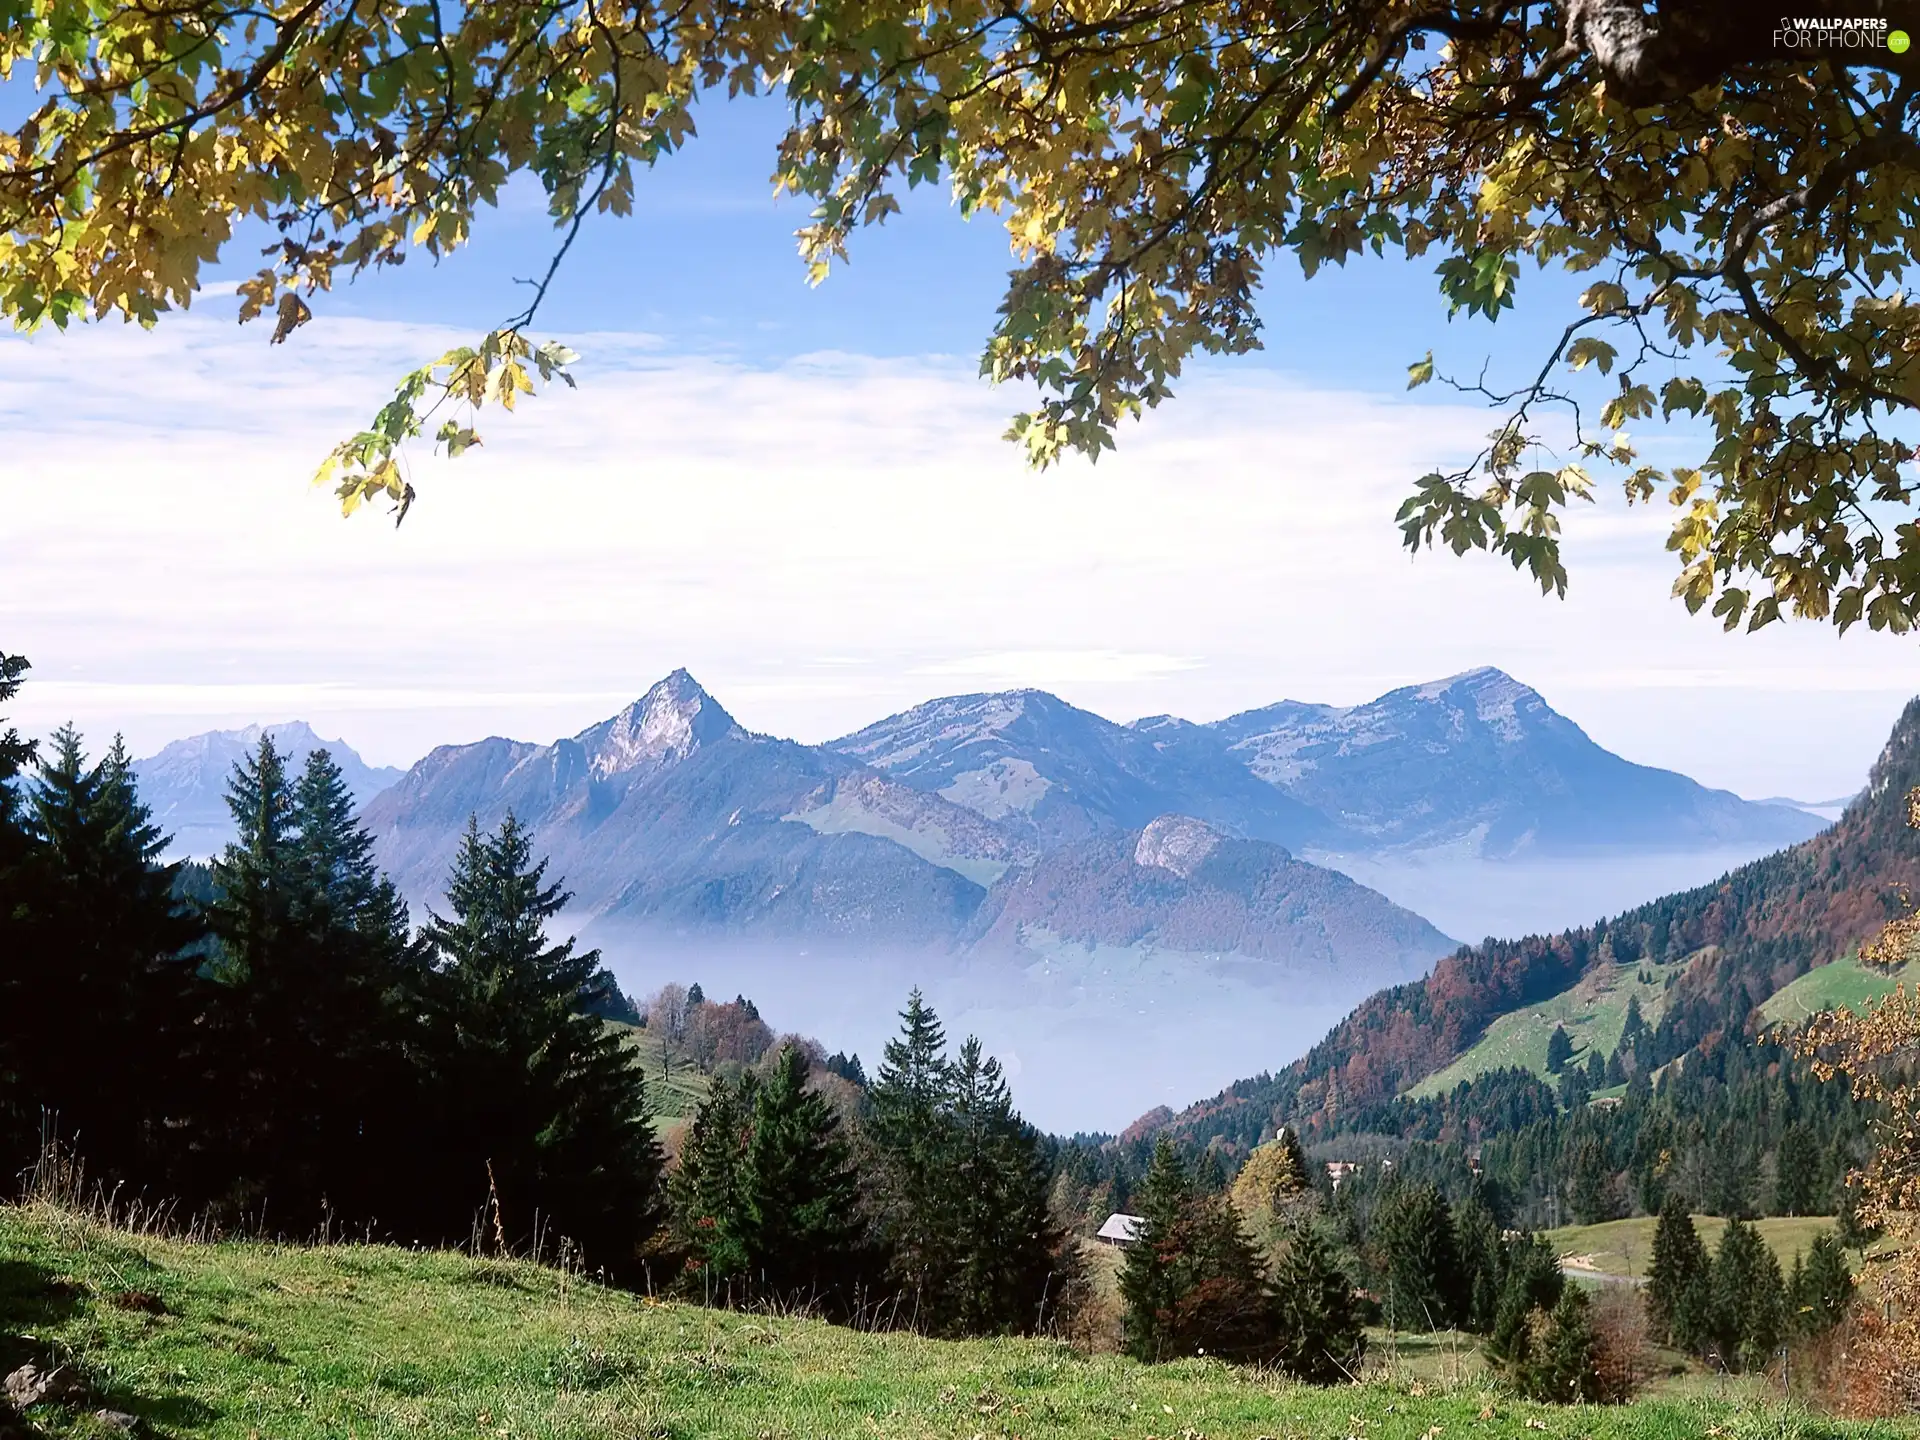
[820,542]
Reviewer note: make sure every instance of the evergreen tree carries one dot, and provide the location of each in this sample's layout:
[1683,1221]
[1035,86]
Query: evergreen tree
[1596,1070]
[1559,1050]
[799,1190]
[1320,1339]
[19,1115]
[906,1125]
[1192,1280]
[1533,1283]
[1423,1286]
[1587,1186]
[1796,1174]
[98,943]
[707,1191]
[1149,1275]
[543,1100]
[1822,1286]
[1010,1254]
[1616,1072]
[321,1091]
[1748,1299]
[1477,1238]
[1678,1280]
[1559,1364]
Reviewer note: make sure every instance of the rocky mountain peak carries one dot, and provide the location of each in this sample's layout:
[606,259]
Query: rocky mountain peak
[663,726]
[1178,843]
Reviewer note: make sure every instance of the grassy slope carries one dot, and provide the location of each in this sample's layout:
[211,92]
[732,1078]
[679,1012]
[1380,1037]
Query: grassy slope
[675,1089]
[1594,1013]
[1845,982]
[1624,1247]
[378,1344]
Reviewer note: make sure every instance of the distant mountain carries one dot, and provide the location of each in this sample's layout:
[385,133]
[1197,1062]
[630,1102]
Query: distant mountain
[671,817]
[1481,762]
[185,784]
[1051,772]
[1468,800]
[1181,884]
[1069,887]
[1724,948]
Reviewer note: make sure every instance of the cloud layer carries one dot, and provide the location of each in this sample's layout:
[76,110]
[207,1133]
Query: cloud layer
[820,542]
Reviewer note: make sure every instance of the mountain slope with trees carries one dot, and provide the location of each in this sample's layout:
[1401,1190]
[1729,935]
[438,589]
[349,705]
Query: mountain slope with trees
[1732,944]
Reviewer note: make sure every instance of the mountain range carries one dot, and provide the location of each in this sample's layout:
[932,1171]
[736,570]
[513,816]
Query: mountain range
[1072,887]
[185,785]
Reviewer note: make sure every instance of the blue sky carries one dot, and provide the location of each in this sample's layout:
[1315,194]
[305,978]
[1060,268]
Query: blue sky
[801,494]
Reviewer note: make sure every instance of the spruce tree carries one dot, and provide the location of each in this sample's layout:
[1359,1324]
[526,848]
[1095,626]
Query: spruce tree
[1481,1254]
[1011,1255]
[18,1114]
[1149,1275]
[101,940]
[1192,1281]
[1559,1050]
[799,1189]
[1424,1287]
[1748,1299]
[1319,1334]
[707,1191]
[1678,1280]
[1796,1172]
[323,1084]
[907,1127]
[549,1100]
[1822,1287]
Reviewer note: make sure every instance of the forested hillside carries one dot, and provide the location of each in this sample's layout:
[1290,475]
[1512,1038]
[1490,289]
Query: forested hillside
[1730,945]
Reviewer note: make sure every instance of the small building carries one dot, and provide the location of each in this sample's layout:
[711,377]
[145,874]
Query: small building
[1338,1170]
[1121,1229]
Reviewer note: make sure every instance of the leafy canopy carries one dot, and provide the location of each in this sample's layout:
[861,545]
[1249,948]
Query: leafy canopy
[1745,213]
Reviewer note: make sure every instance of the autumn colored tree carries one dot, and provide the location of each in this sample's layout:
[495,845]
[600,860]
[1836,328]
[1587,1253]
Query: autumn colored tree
[1743,209]
[1192,1282]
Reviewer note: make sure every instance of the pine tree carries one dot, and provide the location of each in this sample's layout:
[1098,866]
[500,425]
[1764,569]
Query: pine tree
[1822,1287]
[799,1189]
[548,1099]
[1559,1050]
[1320,1338]
[1748,1299]
[1425,1288]
[1678,1279]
